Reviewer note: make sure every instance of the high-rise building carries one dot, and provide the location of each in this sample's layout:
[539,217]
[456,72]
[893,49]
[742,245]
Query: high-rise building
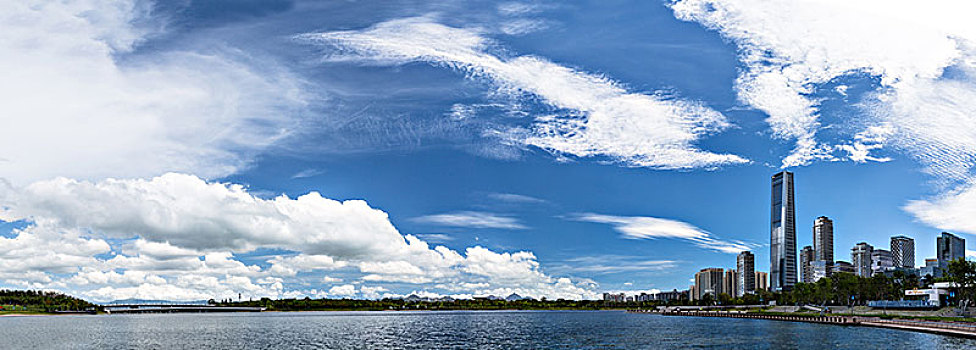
[903,251]
[823,240]
[881,261]
[842,266]
[949,247]
[861,259]
[762,280]
[693,291]
[746,264]
[806,257]
[709,281]
[782,240]
[729,283]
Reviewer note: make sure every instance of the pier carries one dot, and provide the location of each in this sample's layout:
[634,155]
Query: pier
[959,329]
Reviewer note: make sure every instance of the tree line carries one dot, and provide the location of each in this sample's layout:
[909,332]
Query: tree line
[41,301]
[848,289]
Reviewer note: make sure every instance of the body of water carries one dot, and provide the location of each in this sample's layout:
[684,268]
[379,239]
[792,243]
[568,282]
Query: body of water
[446,330]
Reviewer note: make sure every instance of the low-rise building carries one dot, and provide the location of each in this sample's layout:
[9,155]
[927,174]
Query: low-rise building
[933,267]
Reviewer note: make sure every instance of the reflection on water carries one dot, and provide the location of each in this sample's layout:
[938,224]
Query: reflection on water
[445,330]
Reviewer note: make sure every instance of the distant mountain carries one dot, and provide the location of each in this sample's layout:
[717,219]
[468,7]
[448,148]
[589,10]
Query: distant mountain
[514,297]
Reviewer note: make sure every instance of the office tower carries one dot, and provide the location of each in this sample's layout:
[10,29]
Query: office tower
[709,281]
[782,241]
[730,285]
[762,280]
[881,261]
[823,240]
[903,251]
[949,247]
[693,291]
[861,259]
[806,257]
[746,264]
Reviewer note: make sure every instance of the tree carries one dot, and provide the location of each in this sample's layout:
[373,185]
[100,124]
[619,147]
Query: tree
[963,274]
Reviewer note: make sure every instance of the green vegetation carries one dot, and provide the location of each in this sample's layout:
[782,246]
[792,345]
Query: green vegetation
[29,301]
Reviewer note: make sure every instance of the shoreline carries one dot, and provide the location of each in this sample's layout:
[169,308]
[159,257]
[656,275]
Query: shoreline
[956,329]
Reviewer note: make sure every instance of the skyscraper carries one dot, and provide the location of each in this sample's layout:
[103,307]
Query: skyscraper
[709,281]
[806,257]
[782,239]
[861,259]
[903,251]
[823,240]
[949,247]
[746,264]
[729,284]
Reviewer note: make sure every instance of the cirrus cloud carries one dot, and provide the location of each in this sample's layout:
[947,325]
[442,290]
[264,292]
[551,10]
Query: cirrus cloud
[645,227]
[597,116]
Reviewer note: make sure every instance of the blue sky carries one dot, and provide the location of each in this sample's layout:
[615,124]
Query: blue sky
[552,149]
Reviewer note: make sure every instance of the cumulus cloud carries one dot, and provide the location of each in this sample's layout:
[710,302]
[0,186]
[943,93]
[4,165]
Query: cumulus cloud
[180,235]
[92,113]
[472,219]
[643,227]
[597,116]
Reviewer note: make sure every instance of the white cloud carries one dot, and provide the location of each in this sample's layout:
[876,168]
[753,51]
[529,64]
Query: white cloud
[71,106]
[345,290]
[188,212]
[643,227]
[598,118]
[435,237]
[791,47]
[604,264]
[515,198]
[951,211]
[181,232]
[473,219]
[924,54]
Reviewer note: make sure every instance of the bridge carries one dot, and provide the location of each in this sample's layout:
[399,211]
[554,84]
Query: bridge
[174,308]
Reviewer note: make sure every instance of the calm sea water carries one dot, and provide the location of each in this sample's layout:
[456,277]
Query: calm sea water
[446,330]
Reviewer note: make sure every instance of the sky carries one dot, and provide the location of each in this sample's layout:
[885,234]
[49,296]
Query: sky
[188,150]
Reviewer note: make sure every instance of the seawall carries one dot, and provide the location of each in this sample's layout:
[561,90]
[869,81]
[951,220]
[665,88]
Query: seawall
[958,329]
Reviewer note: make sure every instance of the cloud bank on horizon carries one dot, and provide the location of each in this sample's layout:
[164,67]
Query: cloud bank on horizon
[108,149]
[175,237]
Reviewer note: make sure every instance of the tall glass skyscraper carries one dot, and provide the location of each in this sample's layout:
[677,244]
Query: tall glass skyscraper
[782,238]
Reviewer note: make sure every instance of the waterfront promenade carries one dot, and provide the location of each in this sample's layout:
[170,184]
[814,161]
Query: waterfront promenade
[959,329]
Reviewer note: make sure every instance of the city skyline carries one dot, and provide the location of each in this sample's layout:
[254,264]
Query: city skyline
[193,150]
